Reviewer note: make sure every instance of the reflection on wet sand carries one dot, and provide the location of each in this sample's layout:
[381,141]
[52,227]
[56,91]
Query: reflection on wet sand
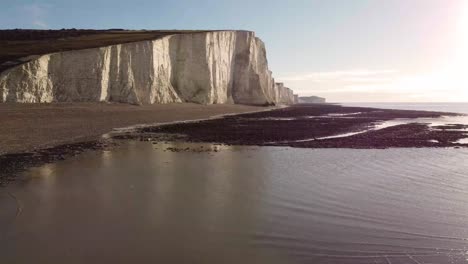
[160,205]
[146,203]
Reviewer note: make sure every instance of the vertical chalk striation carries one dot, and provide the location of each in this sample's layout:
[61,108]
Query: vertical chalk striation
[208,68]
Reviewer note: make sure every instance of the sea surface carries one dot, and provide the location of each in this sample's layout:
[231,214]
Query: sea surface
[442,107]
[143,203]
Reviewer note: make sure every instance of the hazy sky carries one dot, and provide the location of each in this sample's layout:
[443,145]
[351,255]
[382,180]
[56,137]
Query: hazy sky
[345,50]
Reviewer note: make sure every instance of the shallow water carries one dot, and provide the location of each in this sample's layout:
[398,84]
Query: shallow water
[140,203]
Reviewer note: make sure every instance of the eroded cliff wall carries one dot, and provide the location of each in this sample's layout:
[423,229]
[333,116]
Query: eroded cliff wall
[207,68]
[284,94]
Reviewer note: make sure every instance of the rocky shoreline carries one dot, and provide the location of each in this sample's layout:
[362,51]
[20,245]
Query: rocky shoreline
[319,126]
[12,164]
[34,134]
[303,126]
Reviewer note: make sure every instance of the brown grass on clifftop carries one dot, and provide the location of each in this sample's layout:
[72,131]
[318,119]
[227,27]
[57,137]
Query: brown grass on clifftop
[20,43]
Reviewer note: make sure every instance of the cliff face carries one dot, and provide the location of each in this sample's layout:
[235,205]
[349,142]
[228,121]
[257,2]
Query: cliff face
[207,68]
[312,100]
[285,94]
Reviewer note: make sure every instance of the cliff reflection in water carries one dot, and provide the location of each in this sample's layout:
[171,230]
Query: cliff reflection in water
[180,203]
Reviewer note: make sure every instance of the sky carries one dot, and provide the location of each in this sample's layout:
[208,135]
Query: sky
[343,50]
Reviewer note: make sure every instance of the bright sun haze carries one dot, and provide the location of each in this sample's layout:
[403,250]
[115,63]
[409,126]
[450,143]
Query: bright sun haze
[357,50]
[438,77]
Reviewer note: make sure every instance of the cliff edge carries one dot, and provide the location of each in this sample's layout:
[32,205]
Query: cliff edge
[212,67]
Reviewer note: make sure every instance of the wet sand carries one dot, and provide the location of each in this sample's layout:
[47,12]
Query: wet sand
[27,127]
[35,134]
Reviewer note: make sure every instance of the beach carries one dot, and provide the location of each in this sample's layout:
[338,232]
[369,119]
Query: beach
[27,127]
[230,132]
[33,135]
[194,186]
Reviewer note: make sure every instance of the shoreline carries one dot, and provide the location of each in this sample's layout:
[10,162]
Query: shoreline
[135,128]
[220,124]
[36,134]
[321,126]
[31,127]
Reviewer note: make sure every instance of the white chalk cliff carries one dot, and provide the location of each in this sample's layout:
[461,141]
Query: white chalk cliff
[284,94]
[208,68]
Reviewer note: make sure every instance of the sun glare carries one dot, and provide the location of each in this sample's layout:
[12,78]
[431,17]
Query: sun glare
[448,82]
[452,76]
[463,24]
[460,65]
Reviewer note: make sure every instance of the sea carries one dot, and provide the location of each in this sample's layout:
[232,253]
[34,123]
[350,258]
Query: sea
[441,107]
[142,203]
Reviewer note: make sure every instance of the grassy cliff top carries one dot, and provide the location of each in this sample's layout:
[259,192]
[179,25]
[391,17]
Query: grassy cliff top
[19,43]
